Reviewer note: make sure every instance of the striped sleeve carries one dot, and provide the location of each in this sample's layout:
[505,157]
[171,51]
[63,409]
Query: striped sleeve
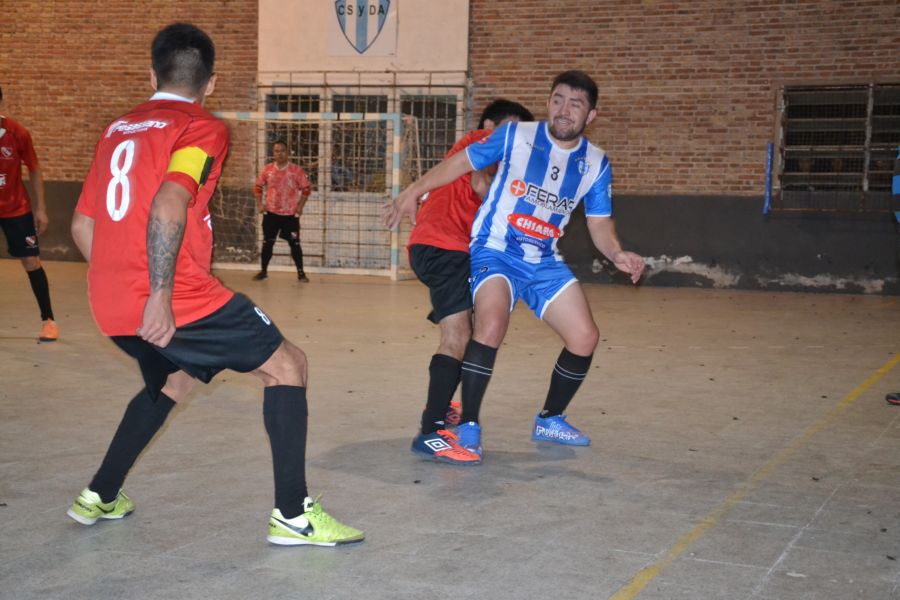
[598,200]
[489,150]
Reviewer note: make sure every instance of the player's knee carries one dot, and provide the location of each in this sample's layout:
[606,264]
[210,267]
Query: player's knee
[453,346]
[297,357]
[586,342]
[490,331]
[31,263]
[288,366]
[492,337]
[456,331]
[178,386]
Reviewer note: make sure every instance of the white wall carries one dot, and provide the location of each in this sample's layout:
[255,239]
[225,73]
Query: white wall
[432,35]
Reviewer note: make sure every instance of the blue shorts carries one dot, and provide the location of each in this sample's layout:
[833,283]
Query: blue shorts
[536,284]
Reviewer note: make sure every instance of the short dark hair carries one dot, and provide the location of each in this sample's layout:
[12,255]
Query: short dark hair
[279,141]
[502,108]
[578,80]
[183,56]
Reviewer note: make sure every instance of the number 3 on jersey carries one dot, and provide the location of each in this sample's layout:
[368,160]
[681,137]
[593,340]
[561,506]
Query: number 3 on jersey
[119,179]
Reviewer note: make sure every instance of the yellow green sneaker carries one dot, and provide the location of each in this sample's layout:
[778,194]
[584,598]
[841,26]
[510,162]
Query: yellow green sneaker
[88,507]
[314,526]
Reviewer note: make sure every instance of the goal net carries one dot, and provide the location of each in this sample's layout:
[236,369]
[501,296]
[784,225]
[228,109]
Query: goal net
[356,162]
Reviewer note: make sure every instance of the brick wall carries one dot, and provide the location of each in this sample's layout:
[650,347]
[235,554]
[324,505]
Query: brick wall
[687,89]
[68,68]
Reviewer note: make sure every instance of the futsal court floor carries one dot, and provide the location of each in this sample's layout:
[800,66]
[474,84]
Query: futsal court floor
[742,449]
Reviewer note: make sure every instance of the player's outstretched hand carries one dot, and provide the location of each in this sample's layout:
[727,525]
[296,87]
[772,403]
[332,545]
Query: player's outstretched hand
[158,325]
[630,263]
[404,205]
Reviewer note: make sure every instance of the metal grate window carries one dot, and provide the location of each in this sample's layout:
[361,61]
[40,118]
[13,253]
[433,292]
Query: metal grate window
[358,149]
[436,119]
[837,146]
[302,139]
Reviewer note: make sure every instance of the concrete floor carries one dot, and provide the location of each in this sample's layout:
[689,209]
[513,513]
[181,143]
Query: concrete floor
[742,449]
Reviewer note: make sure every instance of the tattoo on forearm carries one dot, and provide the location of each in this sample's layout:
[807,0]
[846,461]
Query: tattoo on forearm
[163,243]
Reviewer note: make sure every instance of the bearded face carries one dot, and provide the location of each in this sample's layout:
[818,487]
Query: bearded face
[568,112]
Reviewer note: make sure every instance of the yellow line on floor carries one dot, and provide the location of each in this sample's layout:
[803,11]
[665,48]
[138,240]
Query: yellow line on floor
[649,573]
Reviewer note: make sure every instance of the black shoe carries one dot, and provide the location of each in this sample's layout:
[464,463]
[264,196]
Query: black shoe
[302,277]
[260,276]
[893,398]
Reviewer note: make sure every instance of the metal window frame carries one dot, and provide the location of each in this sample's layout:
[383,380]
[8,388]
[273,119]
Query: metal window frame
[863,200]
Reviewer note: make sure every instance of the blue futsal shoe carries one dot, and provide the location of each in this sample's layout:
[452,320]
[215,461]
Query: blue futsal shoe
[469,437]
[556,430]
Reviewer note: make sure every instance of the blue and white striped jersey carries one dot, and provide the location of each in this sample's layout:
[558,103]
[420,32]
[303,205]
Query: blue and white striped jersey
[536,189]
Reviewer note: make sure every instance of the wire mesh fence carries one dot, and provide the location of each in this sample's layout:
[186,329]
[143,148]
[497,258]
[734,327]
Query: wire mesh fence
[353,161]
[360,137]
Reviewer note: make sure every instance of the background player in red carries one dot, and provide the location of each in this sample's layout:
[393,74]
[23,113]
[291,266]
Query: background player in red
[21,221]
[287,189]
[143,224]
[439,256]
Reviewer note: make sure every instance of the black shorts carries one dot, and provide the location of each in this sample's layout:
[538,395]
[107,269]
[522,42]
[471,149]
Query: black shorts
[21,237]
[239,336]
[287,227]
[446,273]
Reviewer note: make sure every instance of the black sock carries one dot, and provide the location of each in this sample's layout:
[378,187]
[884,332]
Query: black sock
[477,368]
[443,379]
[285,417]
[41,288]
[297,255]
[266,254]
[141,421]
[568,373]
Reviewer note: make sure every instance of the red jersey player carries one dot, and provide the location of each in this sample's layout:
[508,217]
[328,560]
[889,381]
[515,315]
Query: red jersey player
[142,222]
[21,222]
[439,256]
[287,189]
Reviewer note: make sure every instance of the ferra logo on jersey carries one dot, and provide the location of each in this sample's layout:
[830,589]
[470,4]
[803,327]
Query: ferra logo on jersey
[538,196]
[6,152]
[124,127]
[361,20]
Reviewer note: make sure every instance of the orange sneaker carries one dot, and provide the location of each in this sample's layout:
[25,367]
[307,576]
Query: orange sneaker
[49,332]
[443,446]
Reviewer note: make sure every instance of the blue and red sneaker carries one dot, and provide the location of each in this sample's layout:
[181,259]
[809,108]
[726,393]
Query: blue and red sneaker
[443,446]
[470,437]
[557,430]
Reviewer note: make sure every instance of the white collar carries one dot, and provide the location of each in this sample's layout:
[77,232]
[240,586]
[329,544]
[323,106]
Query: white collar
[170,96]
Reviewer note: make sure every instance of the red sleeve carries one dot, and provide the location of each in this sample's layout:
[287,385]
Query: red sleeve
[260,182]
[197,155]
[467,140]
[305,187]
